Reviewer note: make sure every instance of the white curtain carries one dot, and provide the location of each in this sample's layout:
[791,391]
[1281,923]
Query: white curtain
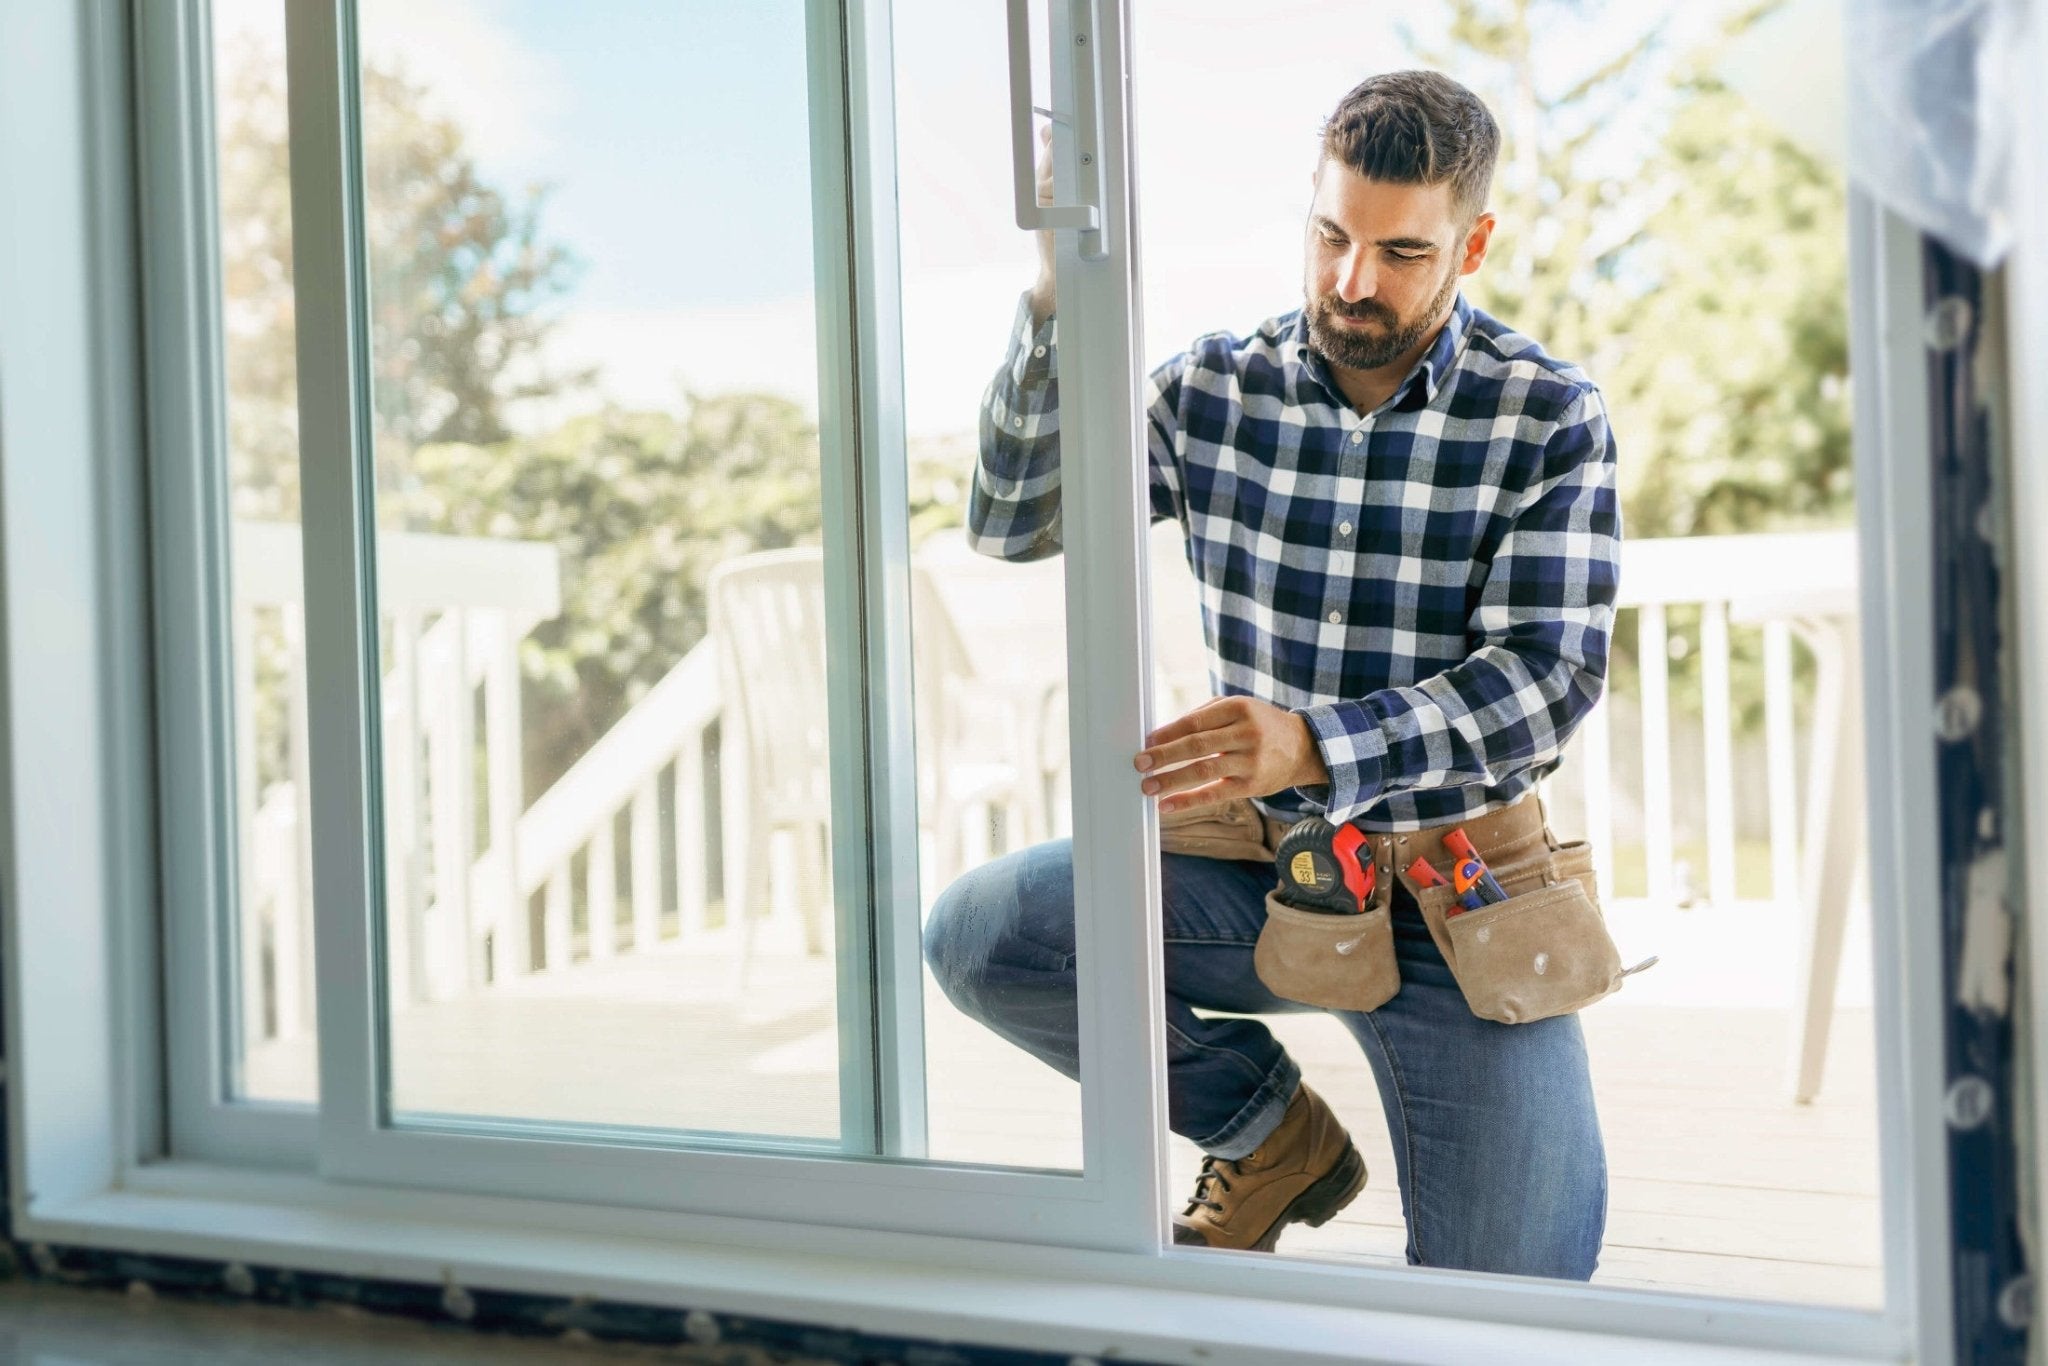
[1933,114]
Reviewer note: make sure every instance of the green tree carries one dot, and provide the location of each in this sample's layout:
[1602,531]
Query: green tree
[1730,379]
[461,284]
[1699,279]
[641,505]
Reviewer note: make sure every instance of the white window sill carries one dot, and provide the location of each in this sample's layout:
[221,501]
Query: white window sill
[1190,1308]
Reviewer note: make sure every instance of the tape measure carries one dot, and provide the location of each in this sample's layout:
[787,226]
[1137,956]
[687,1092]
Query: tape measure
[1320,868]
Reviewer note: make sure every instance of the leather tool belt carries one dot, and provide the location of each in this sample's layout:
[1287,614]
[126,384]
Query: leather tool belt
[1543,951]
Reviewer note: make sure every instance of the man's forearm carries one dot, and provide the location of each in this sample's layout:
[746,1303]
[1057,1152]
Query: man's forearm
[1454,728]
[1044,301]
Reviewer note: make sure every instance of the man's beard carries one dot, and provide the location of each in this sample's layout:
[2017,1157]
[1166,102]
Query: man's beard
[1367,350]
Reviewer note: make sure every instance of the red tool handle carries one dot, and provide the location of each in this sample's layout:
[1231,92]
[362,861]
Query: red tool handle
[1460,845]
[1425,874]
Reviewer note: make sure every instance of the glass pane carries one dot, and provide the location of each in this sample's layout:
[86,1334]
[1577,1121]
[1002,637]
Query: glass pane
[1670,216]
[269,1026]
[991,645]
[599,512]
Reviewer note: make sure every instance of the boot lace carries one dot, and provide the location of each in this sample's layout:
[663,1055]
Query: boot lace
[1209,1182]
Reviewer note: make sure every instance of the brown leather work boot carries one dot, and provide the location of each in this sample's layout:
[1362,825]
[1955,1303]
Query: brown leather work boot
[1304,1172]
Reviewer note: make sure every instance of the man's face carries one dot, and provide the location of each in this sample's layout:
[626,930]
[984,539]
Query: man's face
[1382,263]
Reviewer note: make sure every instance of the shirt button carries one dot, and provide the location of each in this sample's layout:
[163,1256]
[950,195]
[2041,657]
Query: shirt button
[1343,528]
[1037,350]
[1016,422]
[1336,617]
[1357,437]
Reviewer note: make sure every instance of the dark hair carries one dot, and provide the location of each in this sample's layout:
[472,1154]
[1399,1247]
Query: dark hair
[1417,128]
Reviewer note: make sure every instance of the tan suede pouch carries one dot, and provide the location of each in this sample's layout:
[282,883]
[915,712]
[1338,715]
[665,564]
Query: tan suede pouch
[1231,830]
[1339,962]
[1544,951]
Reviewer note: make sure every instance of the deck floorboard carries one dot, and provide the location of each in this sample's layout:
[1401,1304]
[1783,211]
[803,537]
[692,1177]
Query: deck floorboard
[1719,1183]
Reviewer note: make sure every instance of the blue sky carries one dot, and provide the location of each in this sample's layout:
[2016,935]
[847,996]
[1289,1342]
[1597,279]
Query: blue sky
[678,145]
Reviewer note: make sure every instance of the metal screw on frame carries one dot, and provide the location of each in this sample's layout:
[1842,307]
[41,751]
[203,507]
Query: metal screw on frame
[1087,158]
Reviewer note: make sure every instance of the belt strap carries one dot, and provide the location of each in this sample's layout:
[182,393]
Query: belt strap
[1502,837]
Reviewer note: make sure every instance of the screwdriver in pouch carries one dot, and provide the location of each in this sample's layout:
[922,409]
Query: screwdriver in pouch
[1320,867]
[1460,846]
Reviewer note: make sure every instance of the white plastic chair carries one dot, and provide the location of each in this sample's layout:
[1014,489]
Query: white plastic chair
[767,620]
[767,623]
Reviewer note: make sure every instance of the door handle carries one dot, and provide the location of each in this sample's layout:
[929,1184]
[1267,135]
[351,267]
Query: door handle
[1086,213]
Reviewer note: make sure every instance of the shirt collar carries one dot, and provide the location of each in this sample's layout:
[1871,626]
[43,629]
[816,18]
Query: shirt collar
[1418,388]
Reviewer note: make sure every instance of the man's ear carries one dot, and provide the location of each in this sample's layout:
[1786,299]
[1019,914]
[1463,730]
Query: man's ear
[1476,240]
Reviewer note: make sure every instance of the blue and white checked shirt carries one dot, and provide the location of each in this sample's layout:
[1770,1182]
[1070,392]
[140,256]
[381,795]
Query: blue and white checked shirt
[1430,585]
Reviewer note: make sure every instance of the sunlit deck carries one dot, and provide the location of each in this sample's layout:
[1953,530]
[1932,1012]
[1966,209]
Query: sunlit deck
[1720,1183]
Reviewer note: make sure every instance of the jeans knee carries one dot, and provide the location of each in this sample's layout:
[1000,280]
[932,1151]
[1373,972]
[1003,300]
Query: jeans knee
[949,945]
[988,940]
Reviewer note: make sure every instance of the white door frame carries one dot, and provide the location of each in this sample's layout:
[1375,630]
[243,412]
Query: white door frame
[77,1168]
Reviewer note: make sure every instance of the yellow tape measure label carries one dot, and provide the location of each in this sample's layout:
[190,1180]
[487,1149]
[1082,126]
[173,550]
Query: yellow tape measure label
[1303,869]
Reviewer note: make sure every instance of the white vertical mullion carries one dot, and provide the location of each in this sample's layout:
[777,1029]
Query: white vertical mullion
[1718,725]
[341,635]
[290,956]
[856,573]
[506,777]
[600,888]
[555,913]
[693,853]
[1653,657]
[884,517]
[1896,611]
[644,856]
[201,738]
[1596,757]
[247,930]
[1105,509]
[405,964]
[1781,762]
[459,840]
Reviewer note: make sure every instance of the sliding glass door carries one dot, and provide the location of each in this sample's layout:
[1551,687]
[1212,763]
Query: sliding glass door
[655,704]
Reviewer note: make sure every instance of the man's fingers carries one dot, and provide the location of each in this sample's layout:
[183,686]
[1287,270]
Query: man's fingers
[1211,795]
[1202,746]
[1219,769]
[1192,737]
[1208,716]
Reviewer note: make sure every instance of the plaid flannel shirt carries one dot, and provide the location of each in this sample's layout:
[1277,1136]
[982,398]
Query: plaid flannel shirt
[1430,585]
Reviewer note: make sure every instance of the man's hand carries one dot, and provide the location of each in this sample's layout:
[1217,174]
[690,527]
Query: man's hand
[1229,747]
[1042,290]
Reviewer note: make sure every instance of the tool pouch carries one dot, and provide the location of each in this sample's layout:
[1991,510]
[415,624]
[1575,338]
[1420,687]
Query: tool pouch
[1233,830]
[1336,961]
[1544,951]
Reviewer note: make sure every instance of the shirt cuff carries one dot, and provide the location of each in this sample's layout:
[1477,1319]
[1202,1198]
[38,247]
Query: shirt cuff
[1353,749]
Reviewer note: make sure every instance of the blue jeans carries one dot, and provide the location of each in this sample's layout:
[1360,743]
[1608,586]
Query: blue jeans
[1497,1147]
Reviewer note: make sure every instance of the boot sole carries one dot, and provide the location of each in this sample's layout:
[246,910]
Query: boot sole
[1320,1203]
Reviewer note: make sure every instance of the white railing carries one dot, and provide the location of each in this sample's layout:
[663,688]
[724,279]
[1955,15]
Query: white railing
[579,814]
[1785,587]
[456,609]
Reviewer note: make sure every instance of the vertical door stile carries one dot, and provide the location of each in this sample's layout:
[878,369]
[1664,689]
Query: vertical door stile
[844,458]
[341,638]
[1105,510]
[883,515]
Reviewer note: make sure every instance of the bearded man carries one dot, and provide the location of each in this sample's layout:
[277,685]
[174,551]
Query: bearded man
[1402,516]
